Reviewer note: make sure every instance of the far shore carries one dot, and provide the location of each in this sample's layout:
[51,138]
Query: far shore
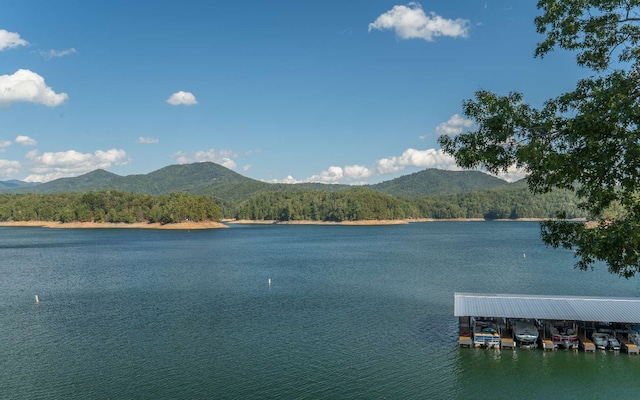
[187,225]
[383,221]
[310,222]
[190,225]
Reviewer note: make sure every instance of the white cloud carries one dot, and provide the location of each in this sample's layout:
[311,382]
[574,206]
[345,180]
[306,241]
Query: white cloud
[454,126]
[331,175]
[513,174]
[25,141]
[430,158]
[289,179]
[48,166]
[247,167]
[48,55]
[3,144]
[10,40]
[182,98]
[147,140]
[411,22]
[358,174]
[9,168]
[223,157]
[27,86]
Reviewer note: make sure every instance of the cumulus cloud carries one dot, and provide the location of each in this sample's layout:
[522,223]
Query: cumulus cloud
[3,144]
[513,174]
[331,175]
[182,98]
[411,22]
[358,174]
[289,179]
[247,167]
[48,166]
[222,157]
[9,168]
[147,140]
[454,126]
[430,158]
[27,86]
[48,55]
[25,141]
[10,40]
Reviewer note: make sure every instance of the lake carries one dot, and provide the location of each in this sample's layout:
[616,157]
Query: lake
[351,312]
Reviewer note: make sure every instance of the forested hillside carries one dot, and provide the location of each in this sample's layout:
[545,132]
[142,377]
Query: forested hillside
[511,202]
[346,205]
[108,206]
[213,180]
[431,182]
[207,191]
[361,203]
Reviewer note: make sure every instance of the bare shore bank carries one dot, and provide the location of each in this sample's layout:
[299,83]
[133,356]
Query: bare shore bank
[309,222]
[224,224]
[102,225]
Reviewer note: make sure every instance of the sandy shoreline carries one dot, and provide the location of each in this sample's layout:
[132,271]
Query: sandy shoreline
[103,225]
[308,222]
[224,224]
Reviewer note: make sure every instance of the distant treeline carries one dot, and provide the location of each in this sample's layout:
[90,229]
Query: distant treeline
[362,204]
[108,206]
[343,205]
[346,205]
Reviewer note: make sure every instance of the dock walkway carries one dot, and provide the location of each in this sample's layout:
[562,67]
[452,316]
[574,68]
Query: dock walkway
[629,347]
[548,345]
[586,344]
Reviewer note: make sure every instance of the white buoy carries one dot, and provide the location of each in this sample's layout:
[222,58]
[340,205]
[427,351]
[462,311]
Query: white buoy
[269,281]
[37,301]
[524,255]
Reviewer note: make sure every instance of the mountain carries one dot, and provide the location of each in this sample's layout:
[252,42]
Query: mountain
[209,179]
[431,182]
[14,184]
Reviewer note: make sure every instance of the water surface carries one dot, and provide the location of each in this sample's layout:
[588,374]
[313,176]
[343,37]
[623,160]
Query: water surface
[351,312]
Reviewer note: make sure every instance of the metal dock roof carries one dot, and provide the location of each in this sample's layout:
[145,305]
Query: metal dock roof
[575,308]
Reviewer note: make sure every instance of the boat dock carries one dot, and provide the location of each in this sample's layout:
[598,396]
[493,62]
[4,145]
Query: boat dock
[562,322]
[507,343]
[548,345]
[627,346]
[586,344]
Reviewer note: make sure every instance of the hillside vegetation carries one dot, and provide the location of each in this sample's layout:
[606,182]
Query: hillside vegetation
[213,180]
[207,191]
[361,203]
[108,206]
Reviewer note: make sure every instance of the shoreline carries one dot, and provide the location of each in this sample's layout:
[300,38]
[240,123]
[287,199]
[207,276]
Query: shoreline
[189,225]
[119,225]
[385,222]
[310,222]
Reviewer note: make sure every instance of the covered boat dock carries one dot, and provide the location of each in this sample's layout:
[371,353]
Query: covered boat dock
[585,314]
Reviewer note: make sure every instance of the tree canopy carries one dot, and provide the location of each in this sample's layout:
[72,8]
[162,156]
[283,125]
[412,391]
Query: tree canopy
[585,140]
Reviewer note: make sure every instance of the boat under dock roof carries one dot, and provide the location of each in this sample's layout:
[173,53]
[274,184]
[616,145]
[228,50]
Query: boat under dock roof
[564,308]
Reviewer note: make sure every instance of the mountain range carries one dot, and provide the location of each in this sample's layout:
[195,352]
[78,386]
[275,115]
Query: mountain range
[210,179]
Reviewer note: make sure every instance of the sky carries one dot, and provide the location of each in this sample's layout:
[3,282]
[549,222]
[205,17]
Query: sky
[332,91]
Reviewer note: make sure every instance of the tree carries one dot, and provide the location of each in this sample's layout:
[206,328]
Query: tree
[586,140]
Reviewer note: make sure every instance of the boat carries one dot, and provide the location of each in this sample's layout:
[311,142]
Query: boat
[485,333]
[525,333]
[563,335]
[613,343]
[601,340]
[634,334]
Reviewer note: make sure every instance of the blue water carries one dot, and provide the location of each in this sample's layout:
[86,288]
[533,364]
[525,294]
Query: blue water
[352,312]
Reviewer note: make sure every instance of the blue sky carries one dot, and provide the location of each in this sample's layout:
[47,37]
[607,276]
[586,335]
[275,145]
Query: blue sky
[280,91]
